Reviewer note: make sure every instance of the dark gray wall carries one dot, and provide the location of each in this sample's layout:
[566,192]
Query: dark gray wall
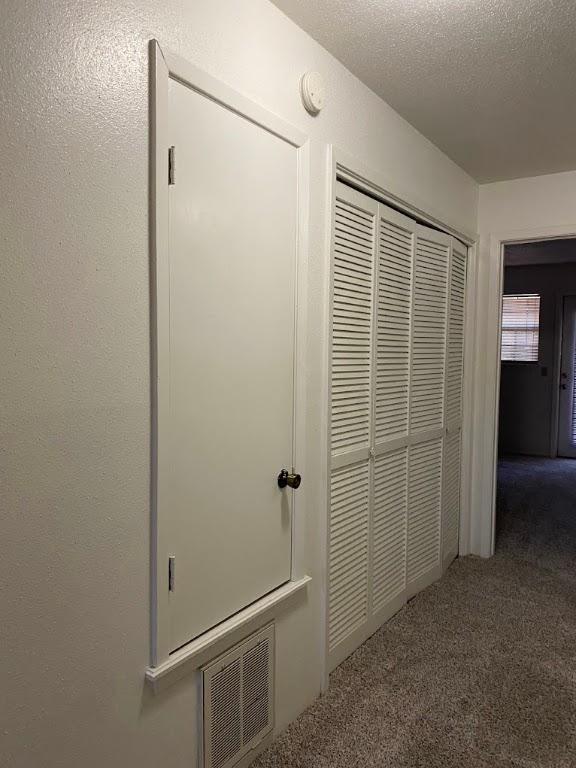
[526,395]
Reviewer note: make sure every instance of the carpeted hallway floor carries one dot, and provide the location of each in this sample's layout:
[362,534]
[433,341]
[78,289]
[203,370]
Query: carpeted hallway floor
[479,670]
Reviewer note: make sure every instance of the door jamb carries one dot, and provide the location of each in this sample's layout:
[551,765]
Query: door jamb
[487,374]
[164,66]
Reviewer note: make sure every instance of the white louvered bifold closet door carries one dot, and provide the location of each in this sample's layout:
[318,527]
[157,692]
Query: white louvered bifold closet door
[454,373]
[427,393]
[353,254]
[396,240]
[396,370]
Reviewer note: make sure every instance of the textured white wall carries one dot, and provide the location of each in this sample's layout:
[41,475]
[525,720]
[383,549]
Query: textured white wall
[75,355]
[538,201]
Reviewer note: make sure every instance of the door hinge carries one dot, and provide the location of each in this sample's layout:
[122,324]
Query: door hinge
[171,573]
[171,165]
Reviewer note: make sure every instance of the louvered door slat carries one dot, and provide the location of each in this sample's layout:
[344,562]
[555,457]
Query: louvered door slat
[396,382]
[429,304]
[455,345]
[389,527]
[424,492]
[393,311]
[353,268]
[353,259]
[451,495]
[348,551]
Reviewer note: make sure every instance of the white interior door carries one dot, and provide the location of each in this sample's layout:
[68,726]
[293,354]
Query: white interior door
[233,245]
[567,410]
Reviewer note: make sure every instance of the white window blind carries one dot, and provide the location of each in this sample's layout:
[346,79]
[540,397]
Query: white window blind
[520,327]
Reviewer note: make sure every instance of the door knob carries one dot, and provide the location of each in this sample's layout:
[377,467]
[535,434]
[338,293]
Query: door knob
[286,478]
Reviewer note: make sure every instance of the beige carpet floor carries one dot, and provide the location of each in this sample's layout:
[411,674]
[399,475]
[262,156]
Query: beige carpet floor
[479,670]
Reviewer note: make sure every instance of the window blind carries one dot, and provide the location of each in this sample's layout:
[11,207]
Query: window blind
[520,327]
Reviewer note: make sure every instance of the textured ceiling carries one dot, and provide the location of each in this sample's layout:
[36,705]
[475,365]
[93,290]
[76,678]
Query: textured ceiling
[490,82]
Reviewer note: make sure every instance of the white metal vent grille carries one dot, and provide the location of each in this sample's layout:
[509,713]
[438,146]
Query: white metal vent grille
[348,562]
[451,494]
[393,331]
[389,526]
[424,489]
[455,352]
[255,695]
[354,242]
[238,691]
[225,725]
[428,335]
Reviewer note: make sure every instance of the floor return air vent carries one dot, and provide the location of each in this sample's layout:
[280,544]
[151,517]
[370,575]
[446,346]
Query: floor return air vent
[238,700]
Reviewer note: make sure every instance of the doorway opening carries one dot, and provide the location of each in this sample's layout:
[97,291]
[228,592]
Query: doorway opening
[536,479]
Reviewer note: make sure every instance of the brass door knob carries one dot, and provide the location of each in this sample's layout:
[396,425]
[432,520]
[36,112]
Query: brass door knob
[286,478]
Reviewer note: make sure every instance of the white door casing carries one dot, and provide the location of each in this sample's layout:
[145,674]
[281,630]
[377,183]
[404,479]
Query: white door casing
[567,405]
[227,240]
[484,370]
[455,338]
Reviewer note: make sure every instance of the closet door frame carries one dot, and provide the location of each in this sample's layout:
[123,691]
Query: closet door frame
[341,166]
[164,665]
[453,426]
